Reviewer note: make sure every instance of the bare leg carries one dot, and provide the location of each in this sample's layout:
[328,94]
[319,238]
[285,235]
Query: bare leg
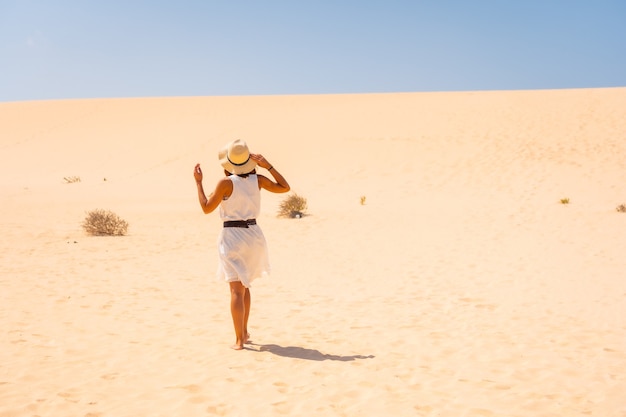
[238,311]
[246,314]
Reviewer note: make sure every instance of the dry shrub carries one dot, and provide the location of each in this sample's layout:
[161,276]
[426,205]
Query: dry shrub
[621,208]
[293,206]
[104,223]
[71,180]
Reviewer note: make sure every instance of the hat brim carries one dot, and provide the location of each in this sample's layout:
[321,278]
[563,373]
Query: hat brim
[246,168]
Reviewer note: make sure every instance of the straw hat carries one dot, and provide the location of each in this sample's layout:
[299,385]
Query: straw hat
[235,158]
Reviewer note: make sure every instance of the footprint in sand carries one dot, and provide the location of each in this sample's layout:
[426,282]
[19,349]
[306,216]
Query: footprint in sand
[480,412]
[198,400]
[218,410]
[281,387]
[67,396]
[489,307]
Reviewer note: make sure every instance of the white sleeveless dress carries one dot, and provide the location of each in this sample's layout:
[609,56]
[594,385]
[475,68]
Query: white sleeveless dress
[242,251]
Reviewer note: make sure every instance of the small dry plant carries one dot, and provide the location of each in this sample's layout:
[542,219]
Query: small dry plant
[565,201]
[621,208]
[363,198]
[71,180]
[293,206]
[104,223]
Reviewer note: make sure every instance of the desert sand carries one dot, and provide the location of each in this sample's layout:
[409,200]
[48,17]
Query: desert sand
[461,287]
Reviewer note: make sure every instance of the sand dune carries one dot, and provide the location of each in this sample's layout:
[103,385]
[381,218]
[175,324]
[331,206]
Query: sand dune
[462,287]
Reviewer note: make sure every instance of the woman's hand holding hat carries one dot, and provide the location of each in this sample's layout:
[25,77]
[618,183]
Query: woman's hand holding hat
[260,160]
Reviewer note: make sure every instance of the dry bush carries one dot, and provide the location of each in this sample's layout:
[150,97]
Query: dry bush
[293,206]
[104,223]
[71,180]
[621,208]
[565,201]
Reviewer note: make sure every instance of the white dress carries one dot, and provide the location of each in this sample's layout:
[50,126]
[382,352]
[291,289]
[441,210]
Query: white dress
[242,251]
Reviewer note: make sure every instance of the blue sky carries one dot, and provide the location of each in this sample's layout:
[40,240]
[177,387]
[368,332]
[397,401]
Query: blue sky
[60,49]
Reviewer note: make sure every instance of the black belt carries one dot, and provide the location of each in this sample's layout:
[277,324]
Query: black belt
[240,223]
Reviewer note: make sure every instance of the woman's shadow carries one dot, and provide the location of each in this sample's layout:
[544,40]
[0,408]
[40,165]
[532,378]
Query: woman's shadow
[308,354]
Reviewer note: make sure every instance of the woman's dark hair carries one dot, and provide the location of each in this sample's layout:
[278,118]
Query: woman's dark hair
[240,175]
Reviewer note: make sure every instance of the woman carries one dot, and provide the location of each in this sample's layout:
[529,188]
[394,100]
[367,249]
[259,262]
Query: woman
[241,244]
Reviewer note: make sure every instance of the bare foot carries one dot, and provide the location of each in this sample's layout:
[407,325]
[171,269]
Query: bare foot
[237,346]
[247,338]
